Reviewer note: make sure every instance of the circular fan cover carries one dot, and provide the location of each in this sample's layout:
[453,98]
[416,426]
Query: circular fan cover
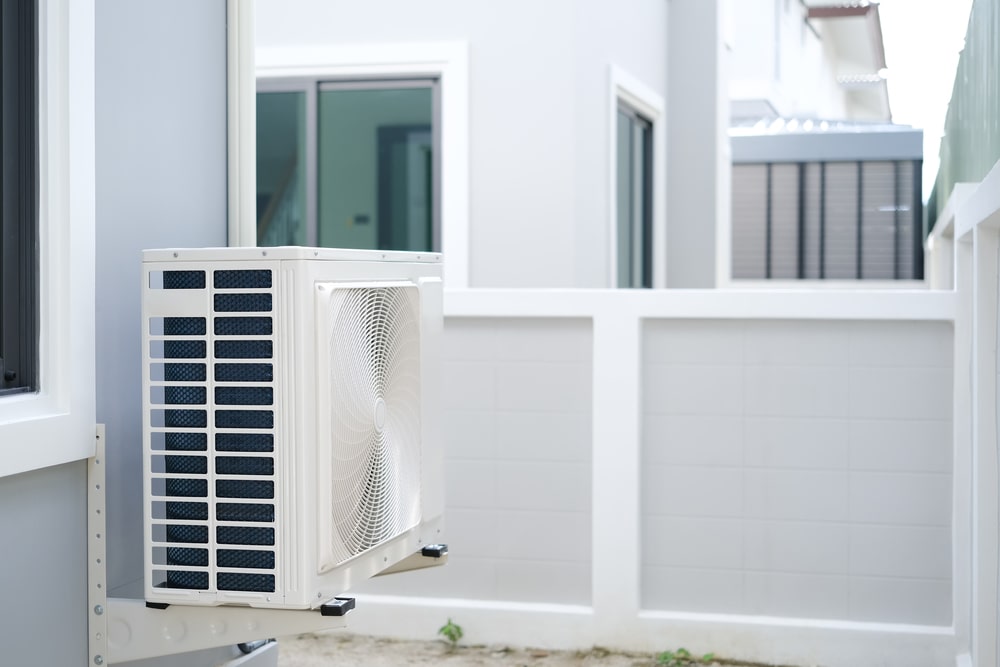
[374,352]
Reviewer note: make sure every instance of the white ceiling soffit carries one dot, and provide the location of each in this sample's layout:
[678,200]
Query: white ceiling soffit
[854,31]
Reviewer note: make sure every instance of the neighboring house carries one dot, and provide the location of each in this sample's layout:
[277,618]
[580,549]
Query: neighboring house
[824,187]
[806,59]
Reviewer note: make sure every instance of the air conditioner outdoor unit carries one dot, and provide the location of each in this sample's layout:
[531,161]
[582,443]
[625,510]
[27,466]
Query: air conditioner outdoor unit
[291,435]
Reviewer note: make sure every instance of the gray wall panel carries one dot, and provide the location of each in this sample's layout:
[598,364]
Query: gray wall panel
[161,182]
[43,523]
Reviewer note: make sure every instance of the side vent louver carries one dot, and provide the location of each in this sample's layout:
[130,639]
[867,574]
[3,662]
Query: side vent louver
[235,497]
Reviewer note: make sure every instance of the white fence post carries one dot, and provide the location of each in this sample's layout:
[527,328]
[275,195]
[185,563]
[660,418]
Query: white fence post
[984,451]
[962,470]
[616,455]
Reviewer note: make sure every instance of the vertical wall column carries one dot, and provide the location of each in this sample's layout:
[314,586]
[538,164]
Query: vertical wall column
[962,470]
[616,456]
[698,156]
[985,515]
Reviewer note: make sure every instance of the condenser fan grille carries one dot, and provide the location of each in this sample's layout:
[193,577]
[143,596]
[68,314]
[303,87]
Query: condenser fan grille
[373,342]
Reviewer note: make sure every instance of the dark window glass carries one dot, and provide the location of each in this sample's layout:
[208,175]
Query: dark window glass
[349,164]
[634,164]
[18,196]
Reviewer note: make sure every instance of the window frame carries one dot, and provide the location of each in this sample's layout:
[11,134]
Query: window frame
[445,61]
[625,89]
[311,87]
[56,423]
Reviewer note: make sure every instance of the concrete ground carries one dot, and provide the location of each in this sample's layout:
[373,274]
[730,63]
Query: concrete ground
[342,649]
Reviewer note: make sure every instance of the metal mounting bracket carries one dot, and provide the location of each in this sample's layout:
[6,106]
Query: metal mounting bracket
[120,629]
[431,555]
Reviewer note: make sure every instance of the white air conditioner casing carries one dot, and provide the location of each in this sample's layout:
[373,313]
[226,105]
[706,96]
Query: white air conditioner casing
[291,432]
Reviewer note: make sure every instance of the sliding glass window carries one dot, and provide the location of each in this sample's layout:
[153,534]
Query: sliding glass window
[349,164]
[634,165]
[18,197]
[281,169]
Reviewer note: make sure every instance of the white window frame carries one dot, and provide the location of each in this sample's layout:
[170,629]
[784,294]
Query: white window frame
[446,61]
[627,89]
[57,424]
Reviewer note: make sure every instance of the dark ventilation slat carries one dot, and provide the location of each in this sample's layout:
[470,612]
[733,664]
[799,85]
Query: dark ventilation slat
[183,280]
[187,534]
[184,326]
[243,326]
[186,418]
[187,511]
[186,465]
[244,442]
[243,512]
[187,556]
[840,214]
[197,581]
[244,372]
[184,372]
[244,535]
[244,488]
[242,303]
[244,419]
[244,465]
[187,488]
[245,559]
[184,395]
[878,229]
[749,220]
[243,349]
[184,349]
[243,279]
[812,200]
[237,581]
[244,396]
[186,442]
[785,221]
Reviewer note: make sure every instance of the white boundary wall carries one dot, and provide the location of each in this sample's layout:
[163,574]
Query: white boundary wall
[974,224]
[615,616]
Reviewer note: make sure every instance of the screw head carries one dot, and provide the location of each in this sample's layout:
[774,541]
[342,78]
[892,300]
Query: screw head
[98,609]
[98,659]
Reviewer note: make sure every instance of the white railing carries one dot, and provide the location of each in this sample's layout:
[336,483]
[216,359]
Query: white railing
[825,358]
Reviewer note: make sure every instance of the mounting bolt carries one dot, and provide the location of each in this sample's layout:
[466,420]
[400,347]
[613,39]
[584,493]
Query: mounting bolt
[98,659]
[98,609]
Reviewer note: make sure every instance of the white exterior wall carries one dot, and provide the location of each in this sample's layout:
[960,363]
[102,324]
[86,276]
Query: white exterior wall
[539,85]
